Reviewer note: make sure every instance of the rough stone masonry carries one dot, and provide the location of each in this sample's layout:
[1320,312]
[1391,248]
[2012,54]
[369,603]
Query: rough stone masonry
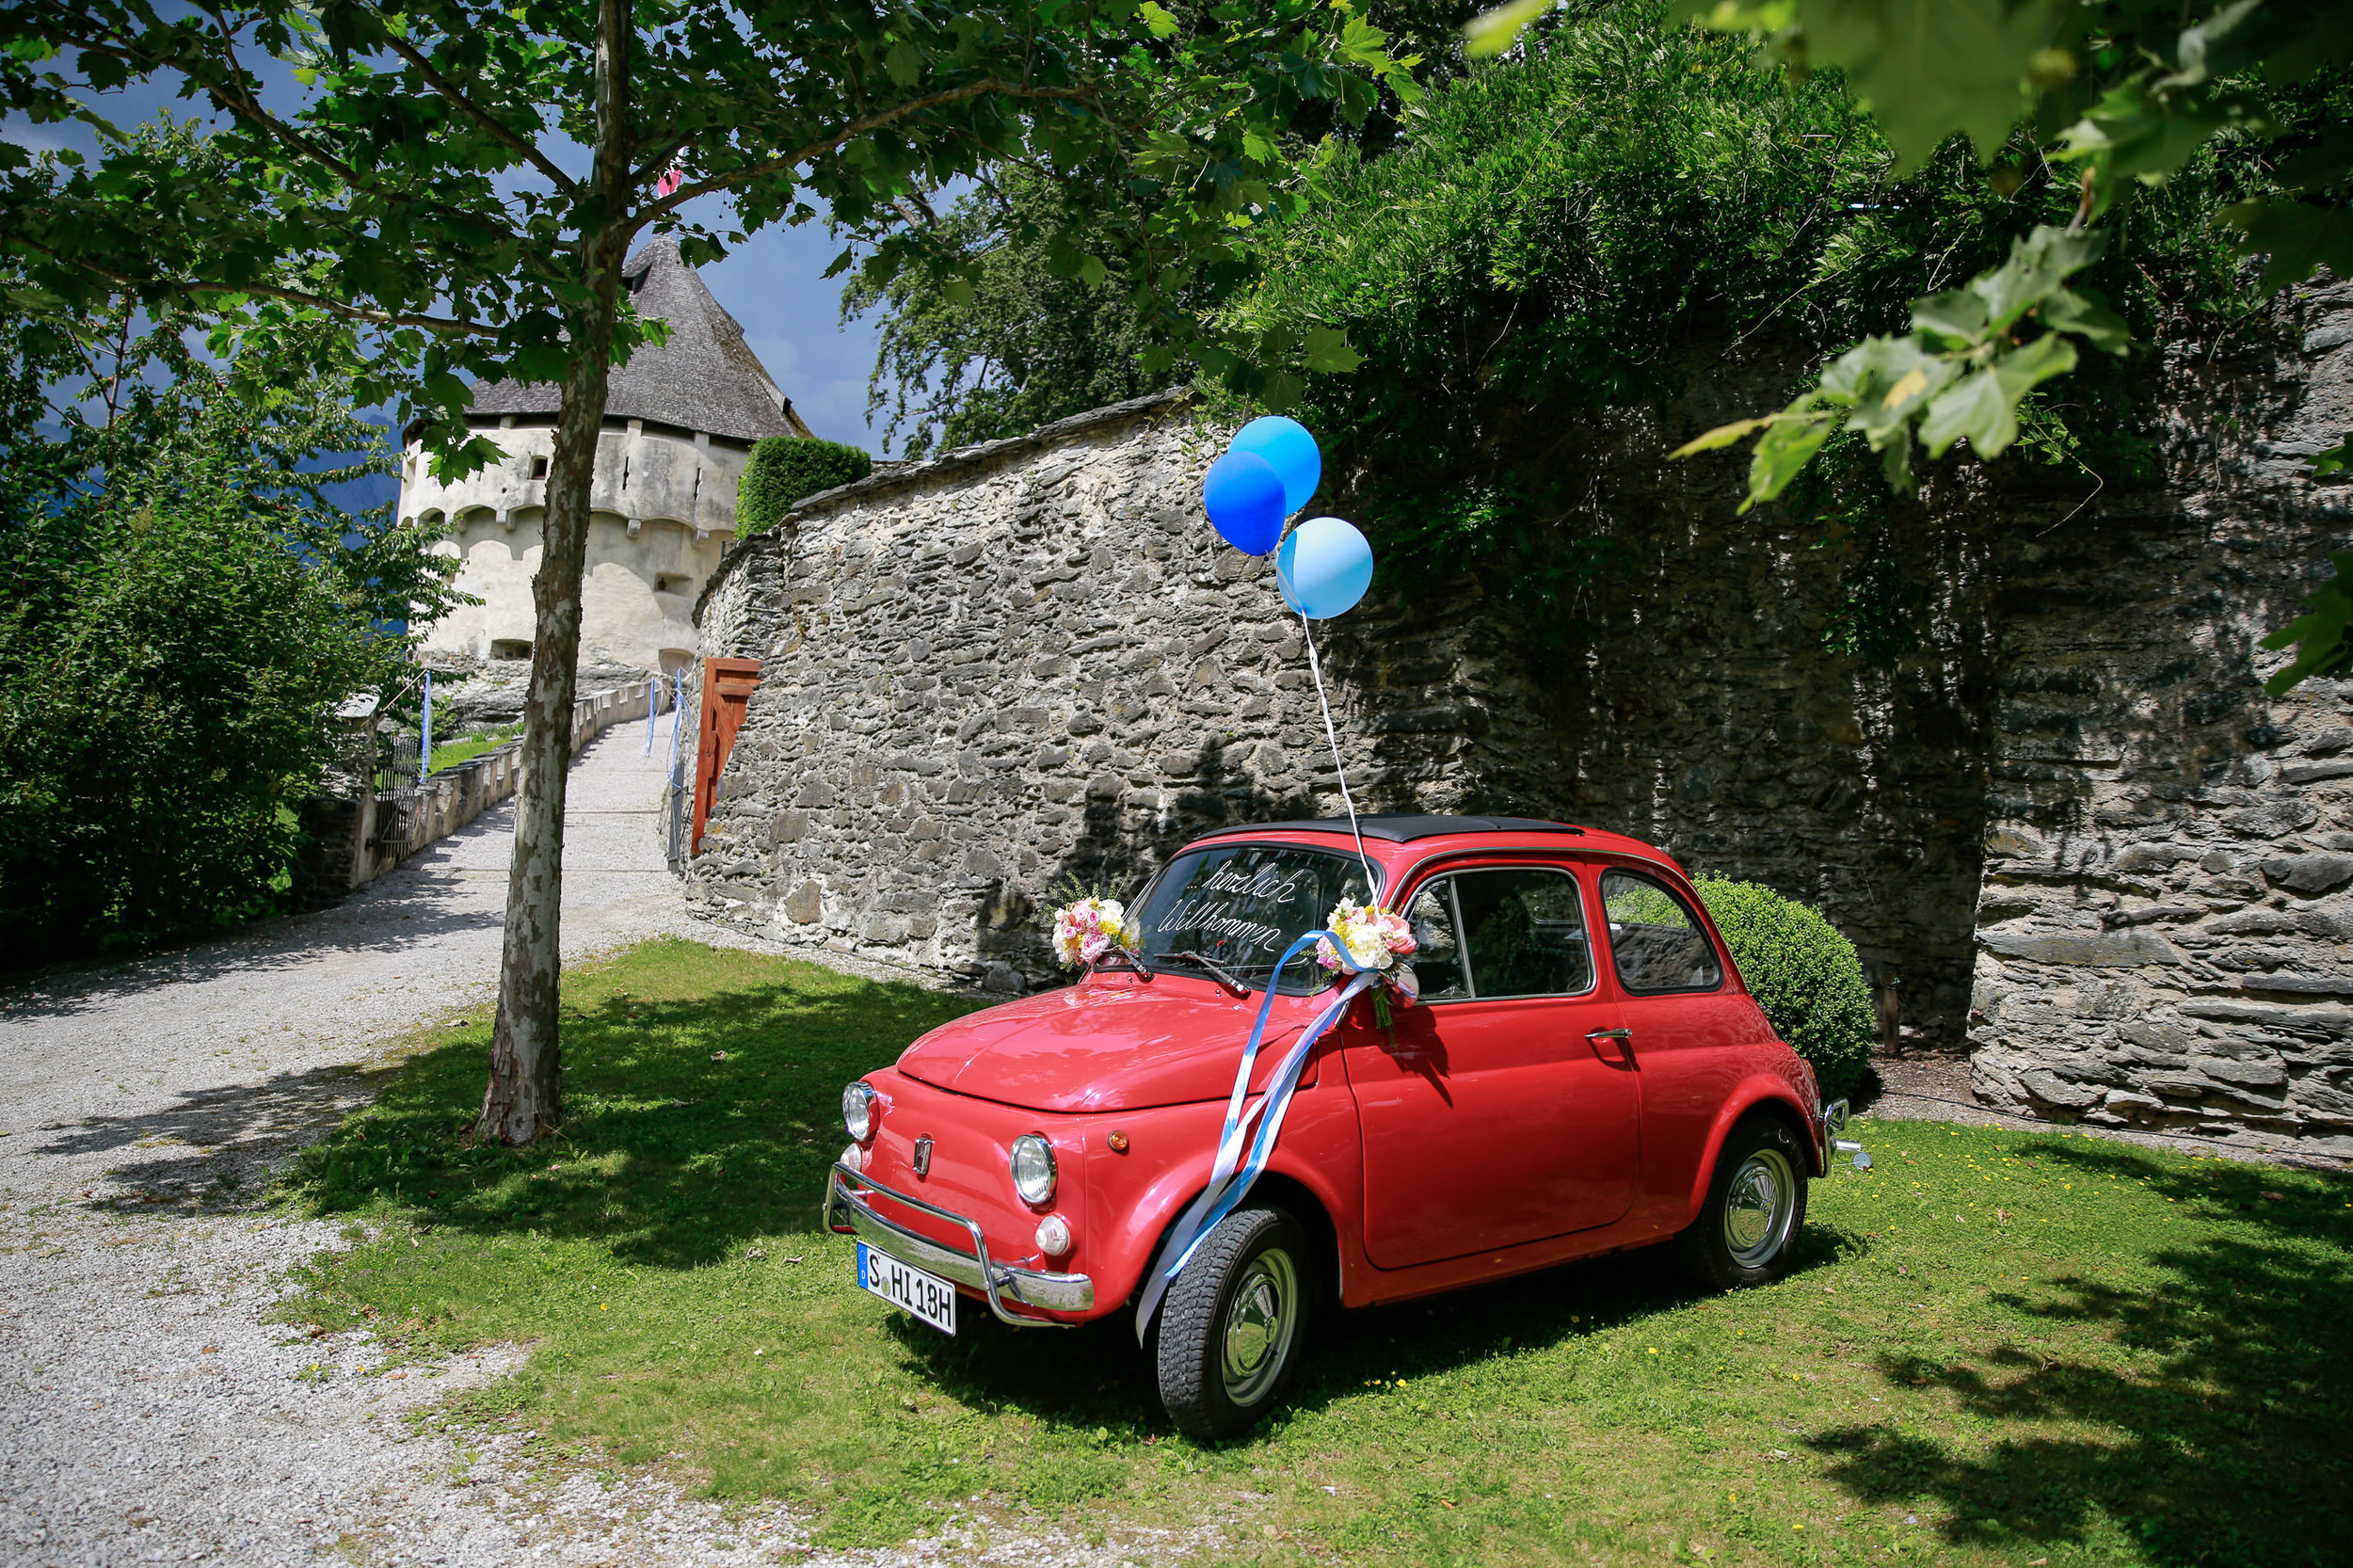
[2065,828]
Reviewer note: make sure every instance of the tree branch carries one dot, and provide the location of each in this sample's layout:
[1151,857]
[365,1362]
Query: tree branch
[236,97]
[480,116]
[445,325]
[856,128]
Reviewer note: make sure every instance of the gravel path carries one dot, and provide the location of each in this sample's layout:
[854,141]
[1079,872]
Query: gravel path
[150,1411]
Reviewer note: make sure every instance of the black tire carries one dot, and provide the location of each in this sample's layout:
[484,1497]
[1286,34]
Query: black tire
[1747,1231]
[1222,1365]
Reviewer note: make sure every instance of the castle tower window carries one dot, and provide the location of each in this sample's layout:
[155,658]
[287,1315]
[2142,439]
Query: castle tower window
[624,472]
[539,468]
[510,648]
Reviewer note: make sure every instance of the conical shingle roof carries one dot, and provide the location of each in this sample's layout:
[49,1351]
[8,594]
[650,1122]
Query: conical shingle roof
[706,377]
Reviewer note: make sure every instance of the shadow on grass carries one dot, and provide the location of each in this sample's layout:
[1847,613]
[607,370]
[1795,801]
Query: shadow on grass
[1095,1377]
[2227,1445]
[692,1123]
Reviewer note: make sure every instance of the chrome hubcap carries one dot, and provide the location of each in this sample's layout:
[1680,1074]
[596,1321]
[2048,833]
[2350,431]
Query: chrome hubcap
[1758,1208]
[1258,1325]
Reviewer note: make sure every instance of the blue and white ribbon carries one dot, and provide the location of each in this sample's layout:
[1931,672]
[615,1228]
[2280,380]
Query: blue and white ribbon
[425,732]
[1231,1177]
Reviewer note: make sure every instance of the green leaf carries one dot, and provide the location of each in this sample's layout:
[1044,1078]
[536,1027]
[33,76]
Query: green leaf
[1982,407]
[2298,236]
[2039,264]
[2322,168]
[2335,460]
[1325,349]
[1490,33]
[1973,408]
[904,62]
[1723,435]
[2319,634]
[2085,313]
[1159,21]
[1929,67]
[1787,445]
[1092,272]
[1957,315]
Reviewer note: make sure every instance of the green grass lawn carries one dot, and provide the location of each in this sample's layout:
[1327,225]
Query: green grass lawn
[464,748]
[2000,1347]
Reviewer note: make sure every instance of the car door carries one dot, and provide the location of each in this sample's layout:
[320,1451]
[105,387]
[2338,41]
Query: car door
[1685,1019]
[1501,1111]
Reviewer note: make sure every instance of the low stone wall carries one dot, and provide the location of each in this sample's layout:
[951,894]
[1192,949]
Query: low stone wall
[390,826]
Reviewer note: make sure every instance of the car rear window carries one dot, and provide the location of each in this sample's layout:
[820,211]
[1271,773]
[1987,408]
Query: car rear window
[1655,940]
[1239,906]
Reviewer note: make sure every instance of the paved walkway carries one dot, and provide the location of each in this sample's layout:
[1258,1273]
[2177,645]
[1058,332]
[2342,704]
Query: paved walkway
[150,1410]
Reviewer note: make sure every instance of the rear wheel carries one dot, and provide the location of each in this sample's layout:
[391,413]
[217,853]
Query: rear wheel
[1233,1327]
[1748,1228]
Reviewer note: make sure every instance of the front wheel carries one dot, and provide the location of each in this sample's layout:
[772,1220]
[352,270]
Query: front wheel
[1748,1228]
[1234,1325]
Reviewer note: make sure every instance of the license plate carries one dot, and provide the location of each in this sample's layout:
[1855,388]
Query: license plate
[926,1296]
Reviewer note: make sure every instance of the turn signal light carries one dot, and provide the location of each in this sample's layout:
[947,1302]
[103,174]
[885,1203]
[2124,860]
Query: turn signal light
[1053,1235]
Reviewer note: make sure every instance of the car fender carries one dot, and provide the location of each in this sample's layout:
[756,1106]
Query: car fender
[1140,1226]
[1759,1088]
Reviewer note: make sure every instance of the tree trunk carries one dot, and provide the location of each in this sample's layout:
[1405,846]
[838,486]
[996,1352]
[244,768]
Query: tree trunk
[525,1093]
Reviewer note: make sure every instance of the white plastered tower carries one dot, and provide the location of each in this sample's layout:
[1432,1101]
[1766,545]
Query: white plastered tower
[679,427]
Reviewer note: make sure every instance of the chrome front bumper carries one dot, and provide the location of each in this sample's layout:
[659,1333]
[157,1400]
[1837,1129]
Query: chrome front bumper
[1834,1148]
[847,1211]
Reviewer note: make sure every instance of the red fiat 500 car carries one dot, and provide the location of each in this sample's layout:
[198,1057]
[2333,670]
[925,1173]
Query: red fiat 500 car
[1585,1073]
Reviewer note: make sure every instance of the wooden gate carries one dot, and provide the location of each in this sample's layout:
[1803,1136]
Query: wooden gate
[727,687]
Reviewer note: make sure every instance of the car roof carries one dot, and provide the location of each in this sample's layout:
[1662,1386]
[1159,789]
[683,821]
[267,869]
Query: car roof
[1477,833]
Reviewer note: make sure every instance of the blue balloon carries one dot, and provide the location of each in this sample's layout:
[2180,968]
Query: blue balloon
[1287,446]
[1243,496]
[1324,567]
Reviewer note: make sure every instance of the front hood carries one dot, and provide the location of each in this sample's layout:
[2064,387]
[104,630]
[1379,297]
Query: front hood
[1110,1042]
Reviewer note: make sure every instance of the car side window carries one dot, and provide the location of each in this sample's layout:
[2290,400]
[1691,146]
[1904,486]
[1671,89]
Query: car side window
[1655,940]
[1516,932]
[1437,947]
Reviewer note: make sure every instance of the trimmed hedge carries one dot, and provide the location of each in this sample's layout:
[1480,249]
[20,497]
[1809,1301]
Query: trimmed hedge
[1803,973]
[787,469]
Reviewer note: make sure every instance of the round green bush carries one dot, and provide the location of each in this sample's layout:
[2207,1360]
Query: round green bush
[1802,972]
[785,471]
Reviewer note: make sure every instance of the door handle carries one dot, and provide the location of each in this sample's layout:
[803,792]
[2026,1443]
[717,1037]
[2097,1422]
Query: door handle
[1622,1038]
[1609,1034]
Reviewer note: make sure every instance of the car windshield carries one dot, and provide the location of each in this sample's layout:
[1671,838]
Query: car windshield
[1239,906]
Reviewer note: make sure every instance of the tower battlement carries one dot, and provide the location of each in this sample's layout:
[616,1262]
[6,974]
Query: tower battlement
[680,423]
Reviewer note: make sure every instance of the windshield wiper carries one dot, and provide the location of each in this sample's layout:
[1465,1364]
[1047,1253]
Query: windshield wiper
[1209,964]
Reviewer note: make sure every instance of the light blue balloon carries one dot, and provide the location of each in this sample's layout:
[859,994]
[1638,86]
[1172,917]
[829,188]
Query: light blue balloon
[1243,496]
[1290,451]
[1324,567]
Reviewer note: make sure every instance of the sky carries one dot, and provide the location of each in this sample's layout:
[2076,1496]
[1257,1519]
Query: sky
[774,286]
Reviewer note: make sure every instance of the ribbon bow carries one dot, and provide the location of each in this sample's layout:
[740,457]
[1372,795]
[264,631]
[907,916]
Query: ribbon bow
[1230,1177]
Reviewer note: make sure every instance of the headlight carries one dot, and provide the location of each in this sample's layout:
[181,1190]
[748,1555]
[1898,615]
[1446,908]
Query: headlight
[1033,1168]
[858,1110]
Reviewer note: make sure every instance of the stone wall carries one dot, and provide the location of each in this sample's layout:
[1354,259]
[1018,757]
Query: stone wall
[1021,666]
[2165,931]
[1031,661]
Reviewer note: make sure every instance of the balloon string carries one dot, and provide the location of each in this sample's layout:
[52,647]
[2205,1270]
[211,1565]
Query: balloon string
[1373,884]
